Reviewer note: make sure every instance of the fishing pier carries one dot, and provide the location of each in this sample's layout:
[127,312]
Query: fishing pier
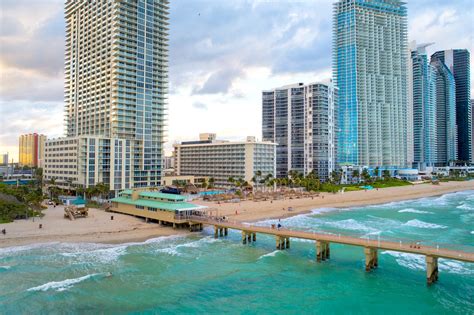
[323,242]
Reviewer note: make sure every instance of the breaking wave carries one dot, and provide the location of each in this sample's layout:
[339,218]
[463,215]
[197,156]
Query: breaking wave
[272,254]
[417,262]
[410,210]
[61,285]
[424,225]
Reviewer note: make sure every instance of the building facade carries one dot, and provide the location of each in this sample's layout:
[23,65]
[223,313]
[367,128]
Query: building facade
[446,128]
[302,120]
[31,150]
[116,79]
[5,159]
[422,103]
[457,61]
[221,160]
[370,48]
[87,160]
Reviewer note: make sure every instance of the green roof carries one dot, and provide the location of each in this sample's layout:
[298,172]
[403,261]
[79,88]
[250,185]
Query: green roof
[168,206]
[155,194]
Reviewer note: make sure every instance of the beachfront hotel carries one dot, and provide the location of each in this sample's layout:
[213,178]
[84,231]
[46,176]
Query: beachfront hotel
[370,69]
[219,159]
[302,120]
[31,150]
[116,82]
[457,61]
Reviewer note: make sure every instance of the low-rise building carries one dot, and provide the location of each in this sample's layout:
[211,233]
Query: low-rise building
[168,209]
[183,180]
[88,160]
[219,160]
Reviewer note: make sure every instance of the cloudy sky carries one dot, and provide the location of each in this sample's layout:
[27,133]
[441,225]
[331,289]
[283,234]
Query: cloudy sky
[222,54]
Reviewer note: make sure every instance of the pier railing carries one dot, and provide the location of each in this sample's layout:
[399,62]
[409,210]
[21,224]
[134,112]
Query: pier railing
[423,247]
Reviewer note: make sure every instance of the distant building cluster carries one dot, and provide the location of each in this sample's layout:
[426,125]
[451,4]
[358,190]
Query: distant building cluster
[389,106]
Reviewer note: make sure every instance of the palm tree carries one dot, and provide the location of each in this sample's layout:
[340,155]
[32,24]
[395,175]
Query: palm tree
[377,172]
[231,180]
[211,182]
[101,189]
[336,177]
[365,175]
[39,177]
[356,174]
[69,183]
[386,174]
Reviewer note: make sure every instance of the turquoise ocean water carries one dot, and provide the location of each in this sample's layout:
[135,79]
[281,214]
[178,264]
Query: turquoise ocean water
[199,274]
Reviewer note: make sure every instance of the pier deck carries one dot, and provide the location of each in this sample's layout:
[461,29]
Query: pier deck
[323,240]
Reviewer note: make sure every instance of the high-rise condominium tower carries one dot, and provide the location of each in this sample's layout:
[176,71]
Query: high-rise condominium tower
[370,69]
[422,103]
[31,150]
[116,81]
[445,101]
[301,119]
[457,61]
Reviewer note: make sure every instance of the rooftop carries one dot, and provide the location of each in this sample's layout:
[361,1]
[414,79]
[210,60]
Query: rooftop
[154,194]
[162,205]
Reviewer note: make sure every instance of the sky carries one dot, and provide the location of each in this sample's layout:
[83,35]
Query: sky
[222,55]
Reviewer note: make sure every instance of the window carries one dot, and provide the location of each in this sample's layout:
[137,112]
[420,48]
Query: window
[140,207]
[152,209]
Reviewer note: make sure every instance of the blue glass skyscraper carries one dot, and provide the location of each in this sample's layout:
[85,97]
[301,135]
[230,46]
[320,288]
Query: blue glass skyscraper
[446,128]
[457,61]
[422,102]
[370,69]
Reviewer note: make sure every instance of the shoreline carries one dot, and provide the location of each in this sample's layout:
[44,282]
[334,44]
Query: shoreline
[338,207]
[250,211]
[99,228]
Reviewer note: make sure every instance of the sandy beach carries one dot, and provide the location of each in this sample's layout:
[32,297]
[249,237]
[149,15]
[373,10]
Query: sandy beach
[99,228]
[96,228]
[251,211]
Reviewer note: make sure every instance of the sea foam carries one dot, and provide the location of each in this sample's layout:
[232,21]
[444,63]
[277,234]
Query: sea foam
[272,254]
[417,262]
[465,206]
[410,210]
[61,285]
[424,225]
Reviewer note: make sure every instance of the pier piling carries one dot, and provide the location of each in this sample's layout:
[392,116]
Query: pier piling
[371,258]
[431,269]
[322,251]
